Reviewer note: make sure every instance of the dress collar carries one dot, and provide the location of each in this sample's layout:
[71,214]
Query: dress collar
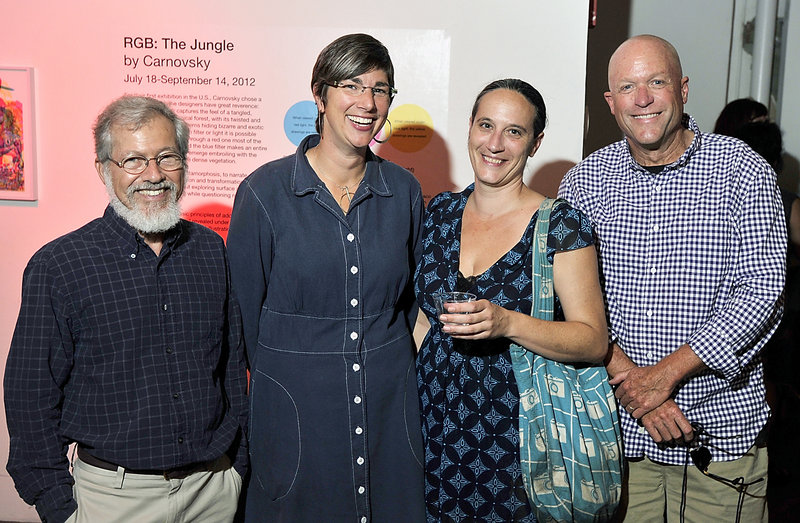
[305,180]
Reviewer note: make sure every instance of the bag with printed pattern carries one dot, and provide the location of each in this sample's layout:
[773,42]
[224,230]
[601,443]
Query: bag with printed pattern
[570,445]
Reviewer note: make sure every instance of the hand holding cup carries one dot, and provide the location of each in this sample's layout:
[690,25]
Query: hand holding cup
[452,297]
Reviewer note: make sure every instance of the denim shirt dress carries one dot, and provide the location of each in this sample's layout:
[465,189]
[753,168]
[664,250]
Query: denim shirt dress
[328,305]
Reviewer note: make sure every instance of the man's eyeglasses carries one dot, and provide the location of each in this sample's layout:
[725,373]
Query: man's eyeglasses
[701,457]
[355,90]
[138,164]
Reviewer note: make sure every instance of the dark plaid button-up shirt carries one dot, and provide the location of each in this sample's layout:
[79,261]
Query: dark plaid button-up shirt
[136,357]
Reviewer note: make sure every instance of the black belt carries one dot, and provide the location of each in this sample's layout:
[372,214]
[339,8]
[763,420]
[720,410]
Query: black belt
[175,473]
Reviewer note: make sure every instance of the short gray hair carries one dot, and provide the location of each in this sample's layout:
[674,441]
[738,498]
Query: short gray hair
[133,112]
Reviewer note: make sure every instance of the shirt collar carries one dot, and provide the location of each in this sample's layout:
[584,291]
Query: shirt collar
[130,239]
[689,123]
[305,180]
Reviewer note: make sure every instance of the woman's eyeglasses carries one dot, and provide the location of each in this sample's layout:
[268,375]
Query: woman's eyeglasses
[355,90]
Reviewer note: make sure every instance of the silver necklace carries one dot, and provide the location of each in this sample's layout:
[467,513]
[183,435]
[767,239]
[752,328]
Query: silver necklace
[346,192]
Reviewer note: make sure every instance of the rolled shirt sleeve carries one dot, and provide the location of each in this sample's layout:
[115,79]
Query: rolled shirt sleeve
[732,336]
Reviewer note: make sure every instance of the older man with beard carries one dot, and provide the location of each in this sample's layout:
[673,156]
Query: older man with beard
[128,343]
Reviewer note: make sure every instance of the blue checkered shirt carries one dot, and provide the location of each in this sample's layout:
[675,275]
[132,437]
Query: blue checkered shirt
[138,358]
[694,254]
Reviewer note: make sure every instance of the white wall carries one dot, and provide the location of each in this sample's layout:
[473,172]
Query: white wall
[700,30]
[75,48]
[789,119]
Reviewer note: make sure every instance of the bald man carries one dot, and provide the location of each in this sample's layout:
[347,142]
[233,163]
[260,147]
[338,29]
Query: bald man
[692,244]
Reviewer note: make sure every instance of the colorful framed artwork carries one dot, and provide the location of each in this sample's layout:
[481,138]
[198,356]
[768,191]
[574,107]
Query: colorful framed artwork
[17,136]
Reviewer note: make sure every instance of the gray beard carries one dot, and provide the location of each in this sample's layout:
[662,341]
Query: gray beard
[153,222]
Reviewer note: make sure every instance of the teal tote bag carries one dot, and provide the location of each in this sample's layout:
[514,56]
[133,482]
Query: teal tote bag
[570,445]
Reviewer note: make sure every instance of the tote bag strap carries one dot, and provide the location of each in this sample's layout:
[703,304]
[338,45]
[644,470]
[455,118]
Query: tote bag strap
[543,304]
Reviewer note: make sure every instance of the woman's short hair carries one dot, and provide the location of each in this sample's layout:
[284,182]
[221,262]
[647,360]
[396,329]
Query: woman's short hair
[766,139]
[347,57]
[738,113]
[132,112]
[525,89]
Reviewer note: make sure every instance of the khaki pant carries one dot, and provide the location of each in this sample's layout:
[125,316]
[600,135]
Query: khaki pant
[103,495]
[653,490]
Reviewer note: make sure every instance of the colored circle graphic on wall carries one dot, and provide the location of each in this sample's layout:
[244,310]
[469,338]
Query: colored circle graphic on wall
[412,128]
[299,121]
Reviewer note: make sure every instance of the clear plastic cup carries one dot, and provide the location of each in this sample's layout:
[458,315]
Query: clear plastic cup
[452,297]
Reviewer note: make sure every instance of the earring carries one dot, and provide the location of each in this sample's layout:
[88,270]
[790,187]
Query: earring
[390,133]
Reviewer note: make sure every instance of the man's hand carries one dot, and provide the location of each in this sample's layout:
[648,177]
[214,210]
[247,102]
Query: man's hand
[667,424]
[642,389]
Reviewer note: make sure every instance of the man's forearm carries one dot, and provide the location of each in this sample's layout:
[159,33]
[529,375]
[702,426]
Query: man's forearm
[681,365]
[617,361]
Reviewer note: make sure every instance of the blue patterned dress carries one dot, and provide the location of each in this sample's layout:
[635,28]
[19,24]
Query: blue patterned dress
[468,395]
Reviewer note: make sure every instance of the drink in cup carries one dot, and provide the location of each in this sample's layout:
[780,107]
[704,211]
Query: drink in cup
[452,297]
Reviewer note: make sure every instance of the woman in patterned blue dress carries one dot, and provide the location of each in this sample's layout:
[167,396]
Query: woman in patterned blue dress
[479,241]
